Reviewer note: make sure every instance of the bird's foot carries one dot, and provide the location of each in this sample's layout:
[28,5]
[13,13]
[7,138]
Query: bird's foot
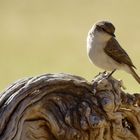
[104,72]
[110,74]
[100,76]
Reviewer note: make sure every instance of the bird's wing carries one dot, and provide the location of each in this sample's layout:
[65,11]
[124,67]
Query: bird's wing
[114,50]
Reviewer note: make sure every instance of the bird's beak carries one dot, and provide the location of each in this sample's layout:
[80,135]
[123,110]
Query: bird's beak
[113,35]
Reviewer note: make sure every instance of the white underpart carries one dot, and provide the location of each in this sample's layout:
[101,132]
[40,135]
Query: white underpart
[96,42]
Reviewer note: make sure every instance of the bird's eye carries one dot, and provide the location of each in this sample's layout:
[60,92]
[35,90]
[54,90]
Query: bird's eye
[103,29]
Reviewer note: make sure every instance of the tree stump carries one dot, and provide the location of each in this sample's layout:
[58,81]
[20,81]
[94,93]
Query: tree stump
[67,107]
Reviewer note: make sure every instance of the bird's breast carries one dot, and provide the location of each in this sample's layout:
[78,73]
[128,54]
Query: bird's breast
[95,49]
[97,55]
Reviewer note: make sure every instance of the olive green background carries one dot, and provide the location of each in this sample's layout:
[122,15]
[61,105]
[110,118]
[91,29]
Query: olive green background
[49,36]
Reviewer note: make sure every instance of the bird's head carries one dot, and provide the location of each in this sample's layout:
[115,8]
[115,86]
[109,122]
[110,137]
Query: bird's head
[103,30]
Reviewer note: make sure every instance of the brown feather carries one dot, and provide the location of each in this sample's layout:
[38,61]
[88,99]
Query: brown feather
[135,75]
[114,50]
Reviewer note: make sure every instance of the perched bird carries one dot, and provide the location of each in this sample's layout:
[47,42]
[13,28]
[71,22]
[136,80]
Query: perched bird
[105,52]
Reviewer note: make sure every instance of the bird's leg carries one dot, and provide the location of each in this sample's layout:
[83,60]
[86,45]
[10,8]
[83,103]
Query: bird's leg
[111,73]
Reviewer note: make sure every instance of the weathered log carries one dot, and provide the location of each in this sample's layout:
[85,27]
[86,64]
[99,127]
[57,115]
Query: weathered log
[67,107]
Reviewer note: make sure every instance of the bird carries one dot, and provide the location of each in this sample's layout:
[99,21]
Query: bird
[105,52]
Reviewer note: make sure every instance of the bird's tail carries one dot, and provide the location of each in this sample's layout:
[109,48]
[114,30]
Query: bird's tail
[135,75]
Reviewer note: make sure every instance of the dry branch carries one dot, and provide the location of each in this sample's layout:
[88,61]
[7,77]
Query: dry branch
[67,107]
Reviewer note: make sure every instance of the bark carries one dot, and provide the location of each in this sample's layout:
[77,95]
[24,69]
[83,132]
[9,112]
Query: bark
[67,107]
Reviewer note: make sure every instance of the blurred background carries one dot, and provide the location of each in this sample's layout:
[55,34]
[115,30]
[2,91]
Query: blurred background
[49,36]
